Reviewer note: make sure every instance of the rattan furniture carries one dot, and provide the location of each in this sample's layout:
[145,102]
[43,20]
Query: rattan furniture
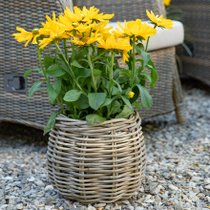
[14,103]
[196,20]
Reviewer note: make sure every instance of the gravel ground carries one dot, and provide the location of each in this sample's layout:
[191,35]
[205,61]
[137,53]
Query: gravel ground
[177,174]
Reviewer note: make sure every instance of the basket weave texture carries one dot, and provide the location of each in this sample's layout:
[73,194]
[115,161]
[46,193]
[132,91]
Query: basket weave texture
[15,60]
[100,163]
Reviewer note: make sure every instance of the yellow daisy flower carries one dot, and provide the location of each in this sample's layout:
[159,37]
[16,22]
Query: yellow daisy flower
[73,16]
[86,40]
[26,36]
[85,15]
[94,15]
[135,29]
[159,20]
[111,42]
[167,2]
[51,31]
[115,43]
[125,56]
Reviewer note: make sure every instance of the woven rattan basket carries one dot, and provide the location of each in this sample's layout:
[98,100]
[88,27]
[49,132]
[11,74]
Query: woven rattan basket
[102,163]
[196,20]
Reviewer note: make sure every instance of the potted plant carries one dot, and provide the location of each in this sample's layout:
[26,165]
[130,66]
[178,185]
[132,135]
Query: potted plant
[98,76]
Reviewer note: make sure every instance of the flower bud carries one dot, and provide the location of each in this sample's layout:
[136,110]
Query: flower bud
[131,94]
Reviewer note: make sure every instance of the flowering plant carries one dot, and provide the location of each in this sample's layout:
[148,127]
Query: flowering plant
[94,72]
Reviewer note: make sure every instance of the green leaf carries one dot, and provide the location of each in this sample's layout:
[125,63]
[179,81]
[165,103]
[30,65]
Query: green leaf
[146,98]
[76,64]
[27,73]
[125,74]
[96,100]
[51,122]
[147,76]
[55,70]
[82,102]
[146,57]
[48,61]
[57,86]
[136,94]
[52,94]
[115,107]
[116,91]
[72,95]
[126,112]
[107,102]
[93,119]
[97,72]
[82,73]
[136,105]
[34,88]
[153,74]
[126,101]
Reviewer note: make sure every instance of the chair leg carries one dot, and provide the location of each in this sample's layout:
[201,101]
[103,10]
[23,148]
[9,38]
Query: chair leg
[177,98]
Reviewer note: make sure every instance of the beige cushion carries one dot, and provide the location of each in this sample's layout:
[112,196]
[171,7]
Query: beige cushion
[165,37]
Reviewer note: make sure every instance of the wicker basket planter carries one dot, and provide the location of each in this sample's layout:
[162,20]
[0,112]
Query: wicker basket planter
[102,163]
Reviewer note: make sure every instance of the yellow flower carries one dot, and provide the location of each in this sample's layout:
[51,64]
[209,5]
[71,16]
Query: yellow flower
[125,56]
[51,31]
[85,15]
[89,33]
[86,40]
[94,15]
[66,22]
[135,29]
[26,36]
[131,94]
[45,41]
[112,42]
[159,20]
[167,2]
[73,16]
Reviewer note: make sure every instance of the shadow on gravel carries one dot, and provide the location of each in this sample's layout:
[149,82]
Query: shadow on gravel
[189,84]
[16,134]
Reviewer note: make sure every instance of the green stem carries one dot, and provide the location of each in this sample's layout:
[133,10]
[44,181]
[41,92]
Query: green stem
[111,66]
[147,43]
[61,105]
[65,48]
[133,61]
[111,75]
[92,70]
[71,71]
[41,64]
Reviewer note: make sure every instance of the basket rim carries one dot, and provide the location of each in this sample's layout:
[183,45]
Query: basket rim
[133,116]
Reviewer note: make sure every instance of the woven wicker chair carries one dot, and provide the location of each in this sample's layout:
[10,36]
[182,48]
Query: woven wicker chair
[14,102]
[196,20]
[16,106]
